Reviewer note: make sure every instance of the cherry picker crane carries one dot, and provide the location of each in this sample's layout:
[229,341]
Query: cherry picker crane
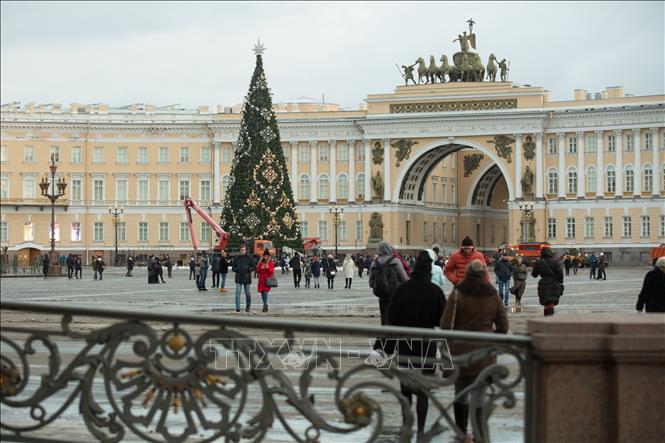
[222,235]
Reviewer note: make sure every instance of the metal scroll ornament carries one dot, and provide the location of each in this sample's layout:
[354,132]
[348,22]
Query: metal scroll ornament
[403,149]
[471,163]
[502,144]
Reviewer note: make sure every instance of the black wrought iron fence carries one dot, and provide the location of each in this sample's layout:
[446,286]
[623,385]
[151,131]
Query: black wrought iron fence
[163,377]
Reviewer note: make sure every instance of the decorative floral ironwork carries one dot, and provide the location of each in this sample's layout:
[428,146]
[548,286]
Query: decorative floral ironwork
[464,105]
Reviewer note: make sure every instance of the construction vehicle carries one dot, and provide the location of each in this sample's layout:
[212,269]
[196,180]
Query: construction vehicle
[530,252]
[222,235]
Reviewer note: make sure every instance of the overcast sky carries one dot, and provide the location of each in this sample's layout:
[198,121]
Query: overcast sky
[201,53]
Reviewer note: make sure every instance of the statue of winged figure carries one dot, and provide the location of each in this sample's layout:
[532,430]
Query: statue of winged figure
[403,149]
[502,144]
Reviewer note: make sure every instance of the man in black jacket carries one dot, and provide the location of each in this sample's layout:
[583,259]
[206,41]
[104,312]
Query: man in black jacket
[652,295]
[297,273]
[503,269]
[243,265]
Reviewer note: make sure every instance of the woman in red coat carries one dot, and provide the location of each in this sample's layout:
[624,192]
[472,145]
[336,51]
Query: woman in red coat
[265,269]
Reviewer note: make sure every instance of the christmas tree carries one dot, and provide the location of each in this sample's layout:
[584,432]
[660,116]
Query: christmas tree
[259,201]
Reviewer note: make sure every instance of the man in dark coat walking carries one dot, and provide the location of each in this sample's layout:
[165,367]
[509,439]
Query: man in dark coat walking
[243,266]
[297,271]
[652,295]
[503,269]
[550,286]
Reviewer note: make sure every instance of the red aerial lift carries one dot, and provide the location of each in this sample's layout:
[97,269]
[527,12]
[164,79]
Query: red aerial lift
[222,235]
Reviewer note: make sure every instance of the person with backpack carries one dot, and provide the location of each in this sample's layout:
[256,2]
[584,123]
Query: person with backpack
[385,274]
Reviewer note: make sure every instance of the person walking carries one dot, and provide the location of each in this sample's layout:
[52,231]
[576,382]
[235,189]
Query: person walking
[368,263]
[223,270]
[593,263]
[349,268]
[265,269]
[385,274]
[216,269]
[576,265]
[308,272]
[459,260]
[169,265]
[330,269]
[150,267]
[600,272]
[503,270]
[417,303]
[473,305]
[100,267]
[296,266]
[652,295]
[520,274]
[437,271]
[192,266]
[567,263]
[78,268]
[243,266]
[197,270]
[70,266]
[159,271]
[361,265]
[130,266]
[550,286]
[204,271]
[45,262]
[316,271]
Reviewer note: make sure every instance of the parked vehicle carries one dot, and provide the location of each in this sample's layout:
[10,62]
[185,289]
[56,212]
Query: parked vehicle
[530,252]
[656,253]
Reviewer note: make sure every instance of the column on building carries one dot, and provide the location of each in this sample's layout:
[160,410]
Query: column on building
[637,145]
[540,177]
[368,172]
[352,171]
[581,182]
[562,165]
[294,171]
[333,170]
[386,170]
[518,166]
[657,168]
[618,163]
[216,177]
[600,171]
[314,181]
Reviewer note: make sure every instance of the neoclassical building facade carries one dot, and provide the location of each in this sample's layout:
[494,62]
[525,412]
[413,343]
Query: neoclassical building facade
[435,162]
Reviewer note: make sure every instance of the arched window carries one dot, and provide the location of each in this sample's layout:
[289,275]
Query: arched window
[610,179]
[226,180]
[324,187]
[552,181]
[360,185]
[629,179]
[572,180]
[591,179]
[647,185]
[343,187]
[304,187]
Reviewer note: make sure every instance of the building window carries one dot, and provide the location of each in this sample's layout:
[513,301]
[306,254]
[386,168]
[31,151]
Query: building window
[76,231]
[551,227]
[98,190]
[662,225]
[662,176]
[444,232]
[121,189]
[570,227]
[4,154]
[304,229]
[444,197]
[143,189]
[630,143]
[435,194]
[226,181]
[572,181]
[28,231]
[323,230]
[205,154]
[648,141]
[646,227]
[76,190]
[343,187]
[359,230]
[360,153]
[627,226]
[98,154]
[551,146]
[226,154]
[28,154]
[589,231]
[629,179]
[343,153]
[303,152]
[360,186]
[341,231]
[164,231]
[552,181]
[143,231]
[4,186]
[184,154]
[164,154]
[183,189]
[648,178]
[121,154]
[304,187]
[324,151]
[453,232]
[611,180]
[591,145]
[435,231]
[29,187]
[205,233]
[163,190]
[591,179]
[122,231]
[4,233]
[54,154]
[205,190]
[425,232]
[184,231]
[142,155]
[323,187]
[609,227]
[76,154]
[611,143]
[572,145]
[453,194]
[98,231]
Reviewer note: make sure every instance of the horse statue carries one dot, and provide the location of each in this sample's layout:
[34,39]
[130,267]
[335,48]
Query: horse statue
[454,73]
[422,70]
[491,68]
[432,70]
[477,70]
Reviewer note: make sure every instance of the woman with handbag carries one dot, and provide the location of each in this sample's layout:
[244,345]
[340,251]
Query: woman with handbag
[266,271]
[550,286]
[330,268]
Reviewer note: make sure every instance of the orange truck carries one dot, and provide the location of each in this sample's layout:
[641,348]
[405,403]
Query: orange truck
[530,252]
[657,252]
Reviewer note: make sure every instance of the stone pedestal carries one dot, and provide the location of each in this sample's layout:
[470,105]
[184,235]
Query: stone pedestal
[54,268]
[598,378]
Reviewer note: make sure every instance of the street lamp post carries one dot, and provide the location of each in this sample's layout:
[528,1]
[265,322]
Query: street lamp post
[335,211]
[115,215]
[527,223]
[53,194]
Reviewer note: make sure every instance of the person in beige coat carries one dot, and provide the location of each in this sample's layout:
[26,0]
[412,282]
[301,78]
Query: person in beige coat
[349,268]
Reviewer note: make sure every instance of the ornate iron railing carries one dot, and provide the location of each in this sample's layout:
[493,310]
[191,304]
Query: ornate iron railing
[137,378]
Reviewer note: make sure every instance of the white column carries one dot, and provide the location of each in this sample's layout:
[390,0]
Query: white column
[581,182]
[216,177]
[562,165]
[333,170]
[386,170]
[314,181]
[657,168]
[294,170]
[600,171]
[618,155]
[540,177]
[352,171]
[518,166]
[637,144]
[368,172]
